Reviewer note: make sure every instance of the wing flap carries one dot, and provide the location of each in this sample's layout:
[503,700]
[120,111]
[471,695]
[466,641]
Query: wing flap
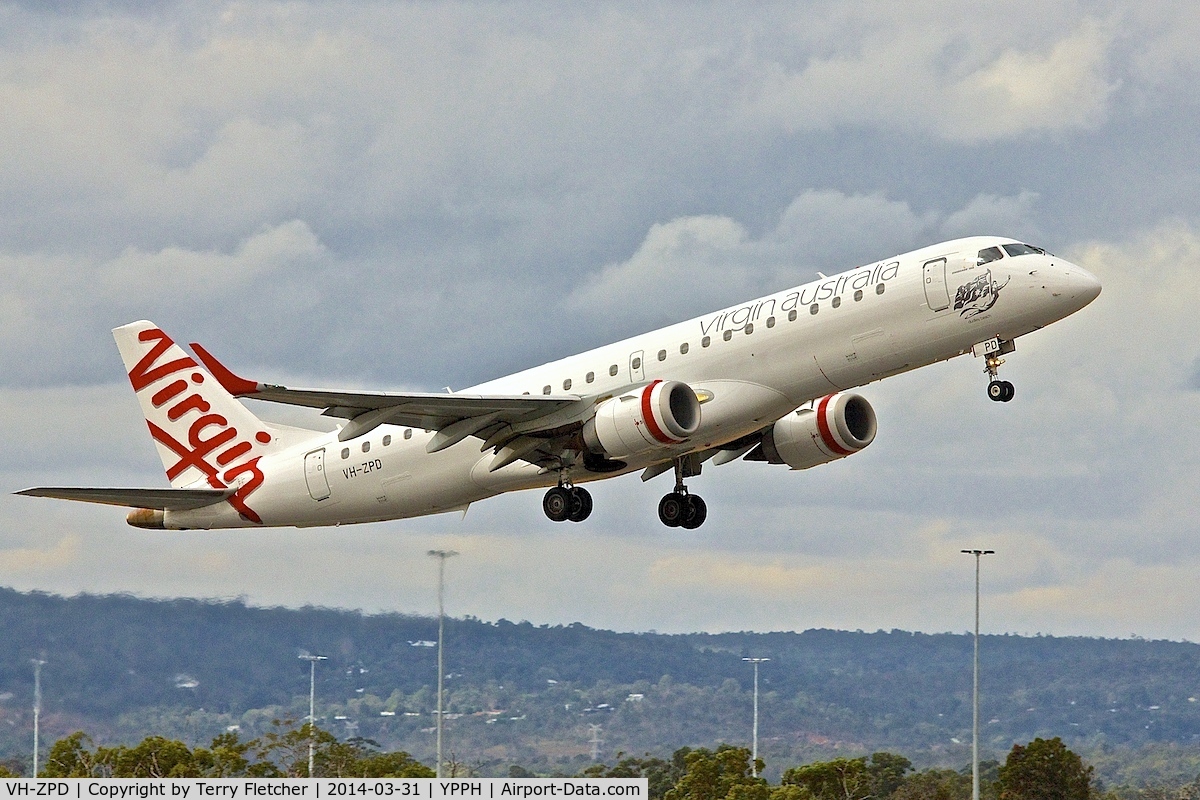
[160,499]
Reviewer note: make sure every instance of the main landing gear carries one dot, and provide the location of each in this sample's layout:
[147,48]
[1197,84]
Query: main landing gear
[565,502]
[679,509]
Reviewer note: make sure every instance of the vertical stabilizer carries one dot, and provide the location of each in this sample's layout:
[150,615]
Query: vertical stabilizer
[204,436]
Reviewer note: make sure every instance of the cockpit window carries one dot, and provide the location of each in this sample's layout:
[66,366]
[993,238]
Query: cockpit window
[1023,250]
[990,254]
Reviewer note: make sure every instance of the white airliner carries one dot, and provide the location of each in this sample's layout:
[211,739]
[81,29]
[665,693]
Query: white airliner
[765,381]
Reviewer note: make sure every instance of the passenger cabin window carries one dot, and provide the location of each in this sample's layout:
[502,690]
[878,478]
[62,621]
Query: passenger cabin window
[705,342]
[567,385]
[814,308]
[989,255]
[408,433]
[387,440]
[591,376]
[857,295]
[770,322]
[749,328]
[879,289]
[727,335]
[792,315]
[637,364]
[345,452]
[837,301]
[683,348]
[1023,250]
[546,389]
[613,370]
[366,447]
[662,355]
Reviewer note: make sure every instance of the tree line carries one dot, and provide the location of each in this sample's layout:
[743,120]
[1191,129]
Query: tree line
[1043,769]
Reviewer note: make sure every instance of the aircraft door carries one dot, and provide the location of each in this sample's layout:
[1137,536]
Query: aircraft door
[637,367]
[936,293]
[314,474]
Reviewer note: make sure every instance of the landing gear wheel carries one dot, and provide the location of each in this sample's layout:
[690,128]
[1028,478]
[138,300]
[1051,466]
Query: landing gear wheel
[996,391]
[557,504]
[1010,391]
[696,512]
[672,509]
[581,504]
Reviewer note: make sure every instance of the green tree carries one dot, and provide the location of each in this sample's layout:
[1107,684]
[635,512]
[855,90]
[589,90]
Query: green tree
[154,757]
[723,775]
[1045,770]
[840,779]
[934,784]
[886,772]
[224,758]
[283,753]
[5,772]
[661,775]
[392,765]
[71,757]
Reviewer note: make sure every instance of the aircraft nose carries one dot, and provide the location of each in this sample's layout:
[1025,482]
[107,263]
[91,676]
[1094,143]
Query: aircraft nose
[1085,286]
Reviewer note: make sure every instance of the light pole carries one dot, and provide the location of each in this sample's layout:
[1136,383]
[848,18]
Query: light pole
[37,708]
[975,686]
[312,705]
[441,556]
[754,750]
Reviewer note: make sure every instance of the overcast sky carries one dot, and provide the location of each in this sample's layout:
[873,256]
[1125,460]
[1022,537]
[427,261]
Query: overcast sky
[422,195]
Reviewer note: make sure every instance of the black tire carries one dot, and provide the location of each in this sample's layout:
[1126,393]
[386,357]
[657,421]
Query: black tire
[581,505]
[996,391]
[1010,392]
[671,509]
[557,504]
[697,512]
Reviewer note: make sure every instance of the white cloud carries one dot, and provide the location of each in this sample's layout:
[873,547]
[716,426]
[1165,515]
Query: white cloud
[935,80]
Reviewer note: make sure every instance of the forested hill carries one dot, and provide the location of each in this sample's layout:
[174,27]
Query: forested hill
[121,667]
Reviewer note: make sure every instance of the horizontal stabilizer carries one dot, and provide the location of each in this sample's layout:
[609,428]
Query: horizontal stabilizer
[160,499]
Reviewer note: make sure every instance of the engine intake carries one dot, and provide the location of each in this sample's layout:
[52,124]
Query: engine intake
[839,425]
[660,414]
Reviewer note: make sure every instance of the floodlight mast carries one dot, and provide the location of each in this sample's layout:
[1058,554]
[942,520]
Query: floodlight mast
[37,708]
[975,682]
[312,706]
[441,556]
[754,745]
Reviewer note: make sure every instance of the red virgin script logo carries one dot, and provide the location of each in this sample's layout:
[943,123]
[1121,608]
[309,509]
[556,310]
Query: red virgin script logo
[208,432]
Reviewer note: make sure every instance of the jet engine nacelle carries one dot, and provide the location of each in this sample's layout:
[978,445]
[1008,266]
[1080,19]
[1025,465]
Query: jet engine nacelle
[659,414]
[838,426]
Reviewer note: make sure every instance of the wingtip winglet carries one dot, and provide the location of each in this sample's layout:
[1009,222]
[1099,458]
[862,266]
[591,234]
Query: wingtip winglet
[234,384]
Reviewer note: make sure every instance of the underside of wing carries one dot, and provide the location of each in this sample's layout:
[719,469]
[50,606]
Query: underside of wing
[159,499]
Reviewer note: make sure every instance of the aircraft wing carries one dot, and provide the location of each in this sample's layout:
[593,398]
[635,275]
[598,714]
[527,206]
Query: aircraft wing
[453,416]
[430,411]
[161,499]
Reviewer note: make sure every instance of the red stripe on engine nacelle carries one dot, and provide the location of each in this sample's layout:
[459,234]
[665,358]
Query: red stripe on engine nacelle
[648,416]
[826,432]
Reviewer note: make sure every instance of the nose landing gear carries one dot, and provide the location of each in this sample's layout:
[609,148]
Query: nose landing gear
[1001,391]
[992,350]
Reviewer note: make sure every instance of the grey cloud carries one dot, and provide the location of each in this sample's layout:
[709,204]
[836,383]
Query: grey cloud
[387,196]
